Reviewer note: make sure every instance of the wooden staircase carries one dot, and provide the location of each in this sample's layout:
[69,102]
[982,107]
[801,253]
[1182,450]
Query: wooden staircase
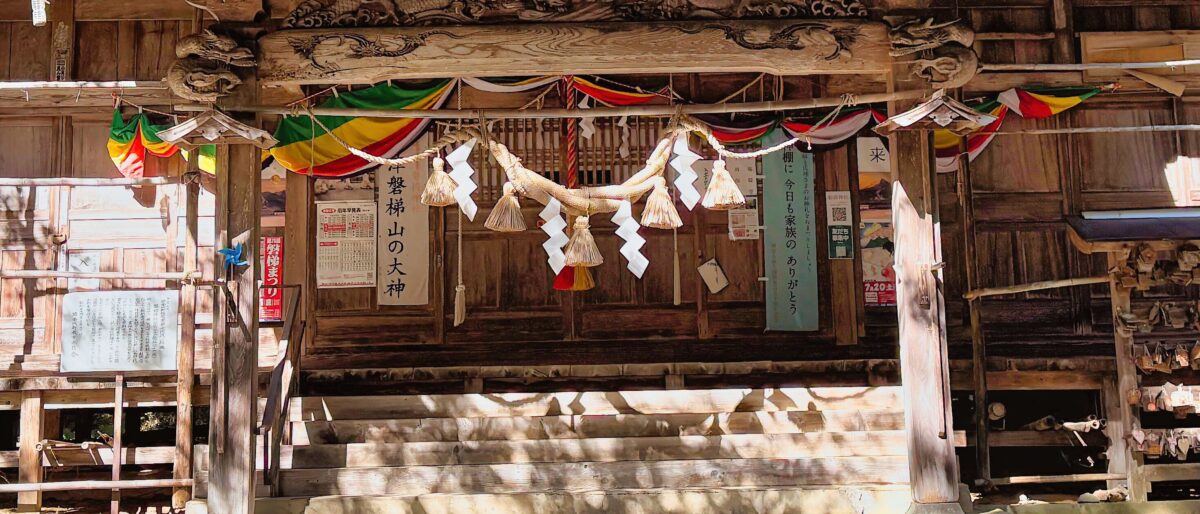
[811,450]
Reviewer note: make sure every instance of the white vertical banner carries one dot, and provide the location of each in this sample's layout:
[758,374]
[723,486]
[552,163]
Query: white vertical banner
[403,234]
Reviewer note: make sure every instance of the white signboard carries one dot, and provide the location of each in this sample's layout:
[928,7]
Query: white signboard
[403,235]
[120,331]
[873,155]
[345,244]
[743,224]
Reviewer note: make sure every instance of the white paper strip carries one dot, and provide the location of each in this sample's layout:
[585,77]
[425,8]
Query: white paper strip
[587,126]
[624,148]
[461,171]
[553,227]
[628,231]
[685,176]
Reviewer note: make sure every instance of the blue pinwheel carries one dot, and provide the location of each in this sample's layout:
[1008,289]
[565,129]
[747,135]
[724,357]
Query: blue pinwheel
[234,256]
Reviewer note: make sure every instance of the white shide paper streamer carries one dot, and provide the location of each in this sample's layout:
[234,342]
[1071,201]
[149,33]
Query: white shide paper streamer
[685,176]
[553,227]
[461,171]
[628,231]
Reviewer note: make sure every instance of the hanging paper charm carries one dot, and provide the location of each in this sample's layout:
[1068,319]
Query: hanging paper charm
[553,227]
[461,171]
[685,176]
[628,232]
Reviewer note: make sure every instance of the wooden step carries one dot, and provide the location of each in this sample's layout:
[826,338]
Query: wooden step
[866,500]
[590,476]
[588,426]
[737,446]
[595,403]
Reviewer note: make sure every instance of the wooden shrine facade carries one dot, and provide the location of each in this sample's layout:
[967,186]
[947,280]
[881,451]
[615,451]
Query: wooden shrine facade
[997,221]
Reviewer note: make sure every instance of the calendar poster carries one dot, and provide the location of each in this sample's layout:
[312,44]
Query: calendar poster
[345,244]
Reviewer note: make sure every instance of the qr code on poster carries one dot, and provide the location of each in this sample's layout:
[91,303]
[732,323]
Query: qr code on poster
[840,214]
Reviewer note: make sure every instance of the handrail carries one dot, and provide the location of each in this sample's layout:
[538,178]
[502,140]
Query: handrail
[96,485]
[279,393]
[92,182]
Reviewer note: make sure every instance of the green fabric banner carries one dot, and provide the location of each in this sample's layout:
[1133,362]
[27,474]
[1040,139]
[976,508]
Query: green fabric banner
[790,245]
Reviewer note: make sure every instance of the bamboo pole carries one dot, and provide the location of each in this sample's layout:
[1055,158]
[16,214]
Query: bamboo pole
[1089,66]
[83,84]
[103,275]
[598,112]
[95,485]
[99,182]
[1036,286]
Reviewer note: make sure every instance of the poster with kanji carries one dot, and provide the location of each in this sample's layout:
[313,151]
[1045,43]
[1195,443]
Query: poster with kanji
[879,278]
[120,331]
[270,300]
[789,222]
[403,235]
[839,225]
[345,244]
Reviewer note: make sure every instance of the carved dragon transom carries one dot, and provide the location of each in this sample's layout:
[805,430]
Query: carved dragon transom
[383,13]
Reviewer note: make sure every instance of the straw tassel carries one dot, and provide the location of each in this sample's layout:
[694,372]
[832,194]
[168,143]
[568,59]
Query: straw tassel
[439,190]
[582,249]
[660,210]
[722,193]
[506,215]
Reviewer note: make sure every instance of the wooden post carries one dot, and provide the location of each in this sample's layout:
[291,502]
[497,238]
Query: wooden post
[297,238]
[30,459]
[231,480]
[118,427]
[844,281]
[966,201]
[924,368]
[1122,418]
[186,356]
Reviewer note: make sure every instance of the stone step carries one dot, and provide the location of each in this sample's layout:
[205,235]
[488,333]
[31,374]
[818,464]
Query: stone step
[588,476]
[733,446]
[791,399]
[590,426]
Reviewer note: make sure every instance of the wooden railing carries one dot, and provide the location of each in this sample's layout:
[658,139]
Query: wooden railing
[280,390]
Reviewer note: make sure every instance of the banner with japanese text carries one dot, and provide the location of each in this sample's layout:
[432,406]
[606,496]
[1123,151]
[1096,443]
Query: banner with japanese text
[403,235]
[790,246]
[270,300]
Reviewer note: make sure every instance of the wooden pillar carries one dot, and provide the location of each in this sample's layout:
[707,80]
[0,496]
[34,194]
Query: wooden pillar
[1122,418]
[966,201]
[845,282]
[924,369]
[297,247]
[234,404]
[30,459]
[186,355]
[117,448]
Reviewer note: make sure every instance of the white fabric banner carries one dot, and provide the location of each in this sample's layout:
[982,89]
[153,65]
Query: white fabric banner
[403,234]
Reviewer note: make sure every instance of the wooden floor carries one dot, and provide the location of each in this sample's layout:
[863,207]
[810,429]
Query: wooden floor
[820,450]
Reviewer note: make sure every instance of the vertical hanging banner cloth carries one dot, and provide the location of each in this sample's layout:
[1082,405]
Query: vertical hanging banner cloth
[790,245]
[403,235]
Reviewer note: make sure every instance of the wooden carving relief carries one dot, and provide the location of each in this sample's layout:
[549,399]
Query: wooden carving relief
[941,52]
[370,55]
[204,69]
[385,13]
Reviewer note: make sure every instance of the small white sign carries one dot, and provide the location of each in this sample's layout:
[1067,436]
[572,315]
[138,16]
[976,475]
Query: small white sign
[743,224]
[873,155]
[120,331]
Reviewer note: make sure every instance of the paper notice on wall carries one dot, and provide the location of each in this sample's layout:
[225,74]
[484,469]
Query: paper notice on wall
[743,224]
[879,277]
[345,244]
[120,331]
[839,223]
[403,235]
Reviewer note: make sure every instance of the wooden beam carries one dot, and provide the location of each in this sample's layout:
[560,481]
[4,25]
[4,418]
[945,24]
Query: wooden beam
[93,485]
[1036,286]
[920,307]
[1122,418]
[336,56]
[117,450]
[1057,479]
[87,182]
[186,356]
[232,480]
[30,472]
